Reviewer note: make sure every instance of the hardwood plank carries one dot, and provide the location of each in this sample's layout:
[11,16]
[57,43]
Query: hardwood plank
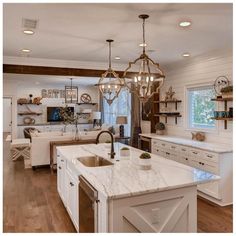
[30,199]
[213,218]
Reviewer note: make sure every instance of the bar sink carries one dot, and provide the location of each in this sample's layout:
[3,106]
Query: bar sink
[94,161]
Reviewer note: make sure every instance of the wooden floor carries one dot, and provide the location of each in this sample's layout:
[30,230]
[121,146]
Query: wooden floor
[31,203]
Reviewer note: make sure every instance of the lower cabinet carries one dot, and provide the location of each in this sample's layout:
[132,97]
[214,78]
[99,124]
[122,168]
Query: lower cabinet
[72,198]
[221,191]
[61,167]
[67,187]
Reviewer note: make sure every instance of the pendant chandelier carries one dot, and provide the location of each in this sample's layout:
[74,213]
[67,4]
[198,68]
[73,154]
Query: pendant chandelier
[110,83]
[71,93]
[149,78]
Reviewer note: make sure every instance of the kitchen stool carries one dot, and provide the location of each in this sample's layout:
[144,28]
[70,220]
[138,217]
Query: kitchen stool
[20,147]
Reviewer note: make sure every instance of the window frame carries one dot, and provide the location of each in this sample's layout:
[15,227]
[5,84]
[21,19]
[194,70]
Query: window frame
[187,110]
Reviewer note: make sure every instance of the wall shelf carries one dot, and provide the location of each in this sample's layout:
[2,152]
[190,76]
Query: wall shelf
[87,103]
[165,102]
[29,113]
[225,100]
[36,104]
[175,115]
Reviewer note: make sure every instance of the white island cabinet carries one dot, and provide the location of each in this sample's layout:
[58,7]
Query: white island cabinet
[162,199]
[210,157]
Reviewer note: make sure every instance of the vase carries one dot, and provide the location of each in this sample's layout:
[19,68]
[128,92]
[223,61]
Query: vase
[76,134]
[145,164]
[160,132]
[124,153]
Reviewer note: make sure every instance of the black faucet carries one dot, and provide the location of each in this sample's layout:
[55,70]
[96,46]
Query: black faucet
[112,142]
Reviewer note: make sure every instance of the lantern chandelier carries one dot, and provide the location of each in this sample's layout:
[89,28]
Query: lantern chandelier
[149,77]
[110,83]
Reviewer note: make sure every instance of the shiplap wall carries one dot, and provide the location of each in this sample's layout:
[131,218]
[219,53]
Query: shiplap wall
[199,70]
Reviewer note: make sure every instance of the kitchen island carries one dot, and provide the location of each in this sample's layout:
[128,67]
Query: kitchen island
[129,199]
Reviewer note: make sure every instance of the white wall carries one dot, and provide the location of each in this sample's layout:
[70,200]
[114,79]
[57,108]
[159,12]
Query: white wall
[198,70]
[18,89]
[7,110]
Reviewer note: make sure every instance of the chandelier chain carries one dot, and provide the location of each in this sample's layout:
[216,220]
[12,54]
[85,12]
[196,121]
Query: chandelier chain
[144,36]
[109,55]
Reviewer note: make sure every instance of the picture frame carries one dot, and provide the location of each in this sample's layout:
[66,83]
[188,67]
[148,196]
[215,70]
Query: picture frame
[71,94]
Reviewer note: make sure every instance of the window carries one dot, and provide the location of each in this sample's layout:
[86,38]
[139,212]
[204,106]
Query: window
[201,108]
[121,106]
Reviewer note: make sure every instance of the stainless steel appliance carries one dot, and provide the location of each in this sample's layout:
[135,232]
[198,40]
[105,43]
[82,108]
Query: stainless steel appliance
[145,143]
[88,207]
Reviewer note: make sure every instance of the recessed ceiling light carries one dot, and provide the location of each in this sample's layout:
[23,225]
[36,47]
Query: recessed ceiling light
[142,45]
[25,50]
[117,58]
[29,32]
[186,54]
[185,23]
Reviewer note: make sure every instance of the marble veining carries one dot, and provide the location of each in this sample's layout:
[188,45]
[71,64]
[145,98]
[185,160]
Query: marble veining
[213,147]
[125,178]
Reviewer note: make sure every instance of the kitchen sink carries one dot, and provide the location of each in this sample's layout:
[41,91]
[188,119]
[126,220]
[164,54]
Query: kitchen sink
[94,161]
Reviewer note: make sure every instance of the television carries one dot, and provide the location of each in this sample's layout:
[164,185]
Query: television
[53,113]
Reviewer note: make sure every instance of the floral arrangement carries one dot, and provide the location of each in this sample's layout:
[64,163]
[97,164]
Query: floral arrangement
[145,155]
[160,126]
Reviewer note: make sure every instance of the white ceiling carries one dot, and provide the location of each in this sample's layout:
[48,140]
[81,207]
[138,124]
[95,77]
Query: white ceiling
[78,31]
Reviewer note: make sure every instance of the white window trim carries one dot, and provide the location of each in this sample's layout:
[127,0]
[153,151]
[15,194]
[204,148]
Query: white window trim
[186,109]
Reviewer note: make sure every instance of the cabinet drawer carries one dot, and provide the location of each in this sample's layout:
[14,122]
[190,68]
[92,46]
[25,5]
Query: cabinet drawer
[185,160]
[183,151]
[170,155]
[210,156]
[195,153]
[205,165]
[158,151]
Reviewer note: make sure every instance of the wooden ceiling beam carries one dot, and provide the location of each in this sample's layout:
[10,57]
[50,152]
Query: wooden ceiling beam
[59,71]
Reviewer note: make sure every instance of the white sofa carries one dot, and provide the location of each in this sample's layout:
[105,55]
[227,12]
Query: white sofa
[40,146]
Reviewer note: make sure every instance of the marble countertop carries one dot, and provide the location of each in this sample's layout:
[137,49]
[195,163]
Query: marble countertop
[213,147]
[125,177]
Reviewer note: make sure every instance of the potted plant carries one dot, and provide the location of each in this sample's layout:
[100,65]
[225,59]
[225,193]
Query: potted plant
[227,92]
[160,128]
[145,161]
[125,151]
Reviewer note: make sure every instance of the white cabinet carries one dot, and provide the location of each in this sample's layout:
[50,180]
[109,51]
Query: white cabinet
[220,191]
[72,197]
[67,187]
[61,174]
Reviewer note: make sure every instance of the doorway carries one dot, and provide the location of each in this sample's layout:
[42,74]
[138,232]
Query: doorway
[7,117]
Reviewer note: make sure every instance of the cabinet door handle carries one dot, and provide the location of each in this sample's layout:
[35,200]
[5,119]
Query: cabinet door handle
[183,149]
[200,163]
[59,167]
[203,164]
[186,159]
[167,153]
[195,153]
[71,184]
[173,147]
[209,156]
[62,160]
[163,144]
[157,150]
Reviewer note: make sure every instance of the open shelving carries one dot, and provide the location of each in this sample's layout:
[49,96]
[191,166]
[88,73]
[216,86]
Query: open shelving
[175,115]
[225,119]
[166,102]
